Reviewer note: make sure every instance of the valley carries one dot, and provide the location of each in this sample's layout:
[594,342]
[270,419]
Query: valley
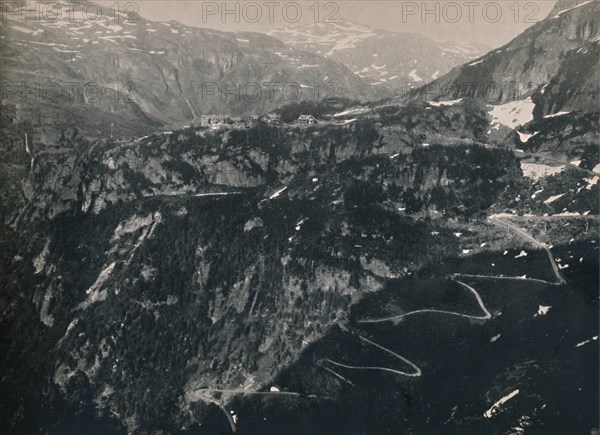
[363,262]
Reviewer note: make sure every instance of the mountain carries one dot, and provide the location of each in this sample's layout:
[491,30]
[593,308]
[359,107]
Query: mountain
[276,277]
[543,85]
[142,76]
[395,61]
[554,62]
[210,259]
[152,284]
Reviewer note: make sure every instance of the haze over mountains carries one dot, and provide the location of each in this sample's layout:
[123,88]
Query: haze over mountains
[146,76]
[395,61]
[149,76]
[141,76]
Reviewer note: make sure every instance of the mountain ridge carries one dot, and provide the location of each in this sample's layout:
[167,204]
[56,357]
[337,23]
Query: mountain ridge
[391,60]
[159,284]
[533,64]
[145,76]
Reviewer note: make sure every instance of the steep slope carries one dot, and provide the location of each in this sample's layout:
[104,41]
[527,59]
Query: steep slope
[140,273]
[555,61]
[541,90]
[394,61]
[141,76]
[149,284]
[155,285]
[580,67]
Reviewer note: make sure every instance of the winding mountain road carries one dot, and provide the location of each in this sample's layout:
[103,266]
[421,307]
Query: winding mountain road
[509,278]
[201,392]
[530,238]
[204,393]
[416,370]
[486,313]
[222,407]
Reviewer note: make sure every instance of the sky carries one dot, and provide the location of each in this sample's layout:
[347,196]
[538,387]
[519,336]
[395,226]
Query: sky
[492,23]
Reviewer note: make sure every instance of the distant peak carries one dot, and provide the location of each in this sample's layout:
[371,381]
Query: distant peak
[339,24]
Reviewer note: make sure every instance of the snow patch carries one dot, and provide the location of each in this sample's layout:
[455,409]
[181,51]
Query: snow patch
[553,198]
[595,338]
[354,111]
[538,171]
[554,115]
[543,310]
[279,192]
[514,113]
[591,182]
[25,30]
[413,75]
[444,103]
[348,42]
[496,406]
[524,137]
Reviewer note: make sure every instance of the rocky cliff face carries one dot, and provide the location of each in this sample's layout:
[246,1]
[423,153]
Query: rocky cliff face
[540,90]
[579,67]
[535,62]
[201,161]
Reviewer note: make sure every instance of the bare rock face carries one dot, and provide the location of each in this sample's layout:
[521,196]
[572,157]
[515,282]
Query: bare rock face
[550,60]
[560,95]
[252,224]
